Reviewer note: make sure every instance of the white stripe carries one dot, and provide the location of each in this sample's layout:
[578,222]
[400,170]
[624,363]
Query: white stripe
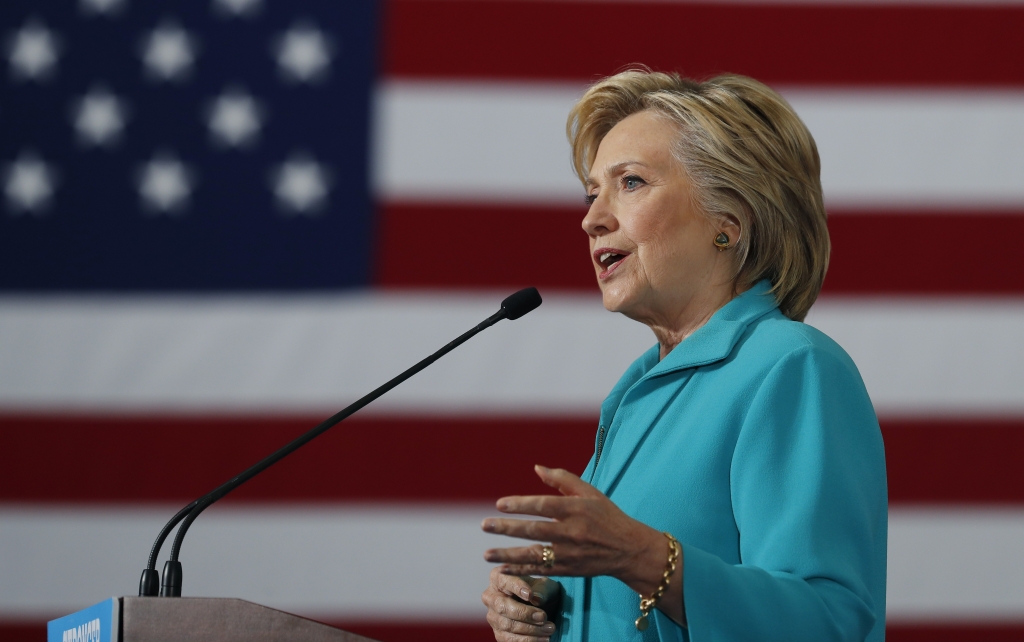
[933,149]
[932,356]
[288,354]
[505,142]
[293,353]
[474,142]
[330,562]
[393,562]
[956,564]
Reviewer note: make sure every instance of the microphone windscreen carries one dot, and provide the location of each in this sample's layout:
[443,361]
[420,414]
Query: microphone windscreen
[522,302]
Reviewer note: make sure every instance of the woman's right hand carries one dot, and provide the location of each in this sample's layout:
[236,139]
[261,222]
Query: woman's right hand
[515,607]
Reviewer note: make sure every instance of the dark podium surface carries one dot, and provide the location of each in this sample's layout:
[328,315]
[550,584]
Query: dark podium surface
[209,619]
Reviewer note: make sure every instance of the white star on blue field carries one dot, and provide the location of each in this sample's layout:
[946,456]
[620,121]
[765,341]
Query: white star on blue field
[199,145]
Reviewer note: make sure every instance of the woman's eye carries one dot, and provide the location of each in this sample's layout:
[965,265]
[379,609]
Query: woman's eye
[589,199]
[632,182]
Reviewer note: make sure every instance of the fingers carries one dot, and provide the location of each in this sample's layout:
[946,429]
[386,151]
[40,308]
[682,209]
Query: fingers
[510,609]
[512,620]
[523,529]
[506,628]
[523,555]
[538,591]
[529,560]
[551,506]
[511,585]
[537,569]
[565,482]
[544,591]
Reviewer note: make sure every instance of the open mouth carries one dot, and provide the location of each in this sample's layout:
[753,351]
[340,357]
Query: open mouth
[609,259]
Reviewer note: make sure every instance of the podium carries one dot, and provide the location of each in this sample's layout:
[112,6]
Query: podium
[196,619]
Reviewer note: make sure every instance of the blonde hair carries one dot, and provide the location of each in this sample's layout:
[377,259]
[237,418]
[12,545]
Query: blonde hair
[747,154]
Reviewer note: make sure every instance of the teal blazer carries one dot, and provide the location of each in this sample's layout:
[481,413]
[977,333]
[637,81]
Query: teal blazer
[754,442]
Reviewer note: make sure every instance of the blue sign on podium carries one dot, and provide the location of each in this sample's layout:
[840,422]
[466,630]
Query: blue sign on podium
[94,624]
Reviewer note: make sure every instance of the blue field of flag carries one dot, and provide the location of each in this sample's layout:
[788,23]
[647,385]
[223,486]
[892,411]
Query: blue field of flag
[203,146]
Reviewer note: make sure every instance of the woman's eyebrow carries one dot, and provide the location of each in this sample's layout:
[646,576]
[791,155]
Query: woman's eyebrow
[615,169]
[618,167]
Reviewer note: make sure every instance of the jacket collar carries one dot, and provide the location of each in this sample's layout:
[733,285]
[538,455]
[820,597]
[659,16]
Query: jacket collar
[712,342]
[715,340]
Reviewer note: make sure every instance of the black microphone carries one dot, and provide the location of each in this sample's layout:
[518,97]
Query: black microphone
[513,307]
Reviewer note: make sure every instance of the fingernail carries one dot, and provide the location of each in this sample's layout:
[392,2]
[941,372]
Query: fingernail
[538,617]
[540,468]
[548,628]
[502,504]
[525,593]
[488,525]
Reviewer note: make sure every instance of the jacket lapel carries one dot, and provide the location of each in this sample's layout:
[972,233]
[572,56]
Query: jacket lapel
[645,392]
[632,423]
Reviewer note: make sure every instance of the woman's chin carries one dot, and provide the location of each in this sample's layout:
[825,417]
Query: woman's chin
[614,299]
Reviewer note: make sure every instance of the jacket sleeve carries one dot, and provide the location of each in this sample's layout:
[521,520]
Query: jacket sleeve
[809,499]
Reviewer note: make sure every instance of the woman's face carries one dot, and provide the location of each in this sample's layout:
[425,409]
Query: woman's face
[652,250]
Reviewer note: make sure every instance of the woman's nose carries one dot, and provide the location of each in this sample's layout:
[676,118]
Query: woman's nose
[600,220]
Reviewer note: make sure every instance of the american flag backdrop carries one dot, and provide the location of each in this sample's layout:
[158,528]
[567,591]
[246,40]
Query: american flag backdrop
[223,220]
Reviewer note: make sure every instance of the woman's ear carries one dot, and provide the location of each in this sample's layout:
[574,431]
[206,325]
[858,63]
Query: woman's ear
[731,226]
[727,231]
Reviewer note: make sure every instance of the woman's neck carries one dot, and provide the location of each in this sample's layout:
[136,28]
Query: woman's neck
[669,338]
[671,330]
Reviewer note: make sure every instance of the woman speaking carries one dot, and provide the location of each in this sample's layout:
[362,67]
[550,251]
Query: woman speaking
[737,489]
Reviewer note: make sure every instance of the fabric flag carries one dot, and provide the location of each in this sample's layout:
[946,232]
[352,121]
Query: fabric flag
[221,221]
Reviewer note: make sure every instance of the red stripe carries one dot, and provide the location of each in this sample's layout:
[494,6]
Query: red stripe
[922,253]
[873,253]
[476,632]
[1013,632]
[955,461]
[140,459]
[815,44]
[482,246]
[119,459]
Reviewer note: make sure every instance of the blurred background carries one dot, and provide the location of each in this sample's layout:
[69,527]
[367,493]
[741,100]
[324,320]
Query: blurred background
[223,220]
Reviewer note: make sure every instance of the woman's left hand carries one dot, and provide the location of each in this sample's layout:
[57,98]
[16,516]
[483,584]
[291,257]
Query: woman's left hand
[589,535]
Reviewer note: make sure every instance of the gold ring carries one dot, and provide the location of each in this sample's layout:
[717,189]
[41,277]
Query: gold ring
[548,556]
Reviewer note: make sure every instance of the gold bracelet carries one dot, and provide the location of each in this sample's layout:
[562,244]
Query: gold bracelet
[648,603]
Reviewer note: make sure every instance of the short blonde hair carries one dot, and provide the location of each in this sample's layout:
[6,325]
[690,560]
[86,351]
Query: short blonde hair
[747,154]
